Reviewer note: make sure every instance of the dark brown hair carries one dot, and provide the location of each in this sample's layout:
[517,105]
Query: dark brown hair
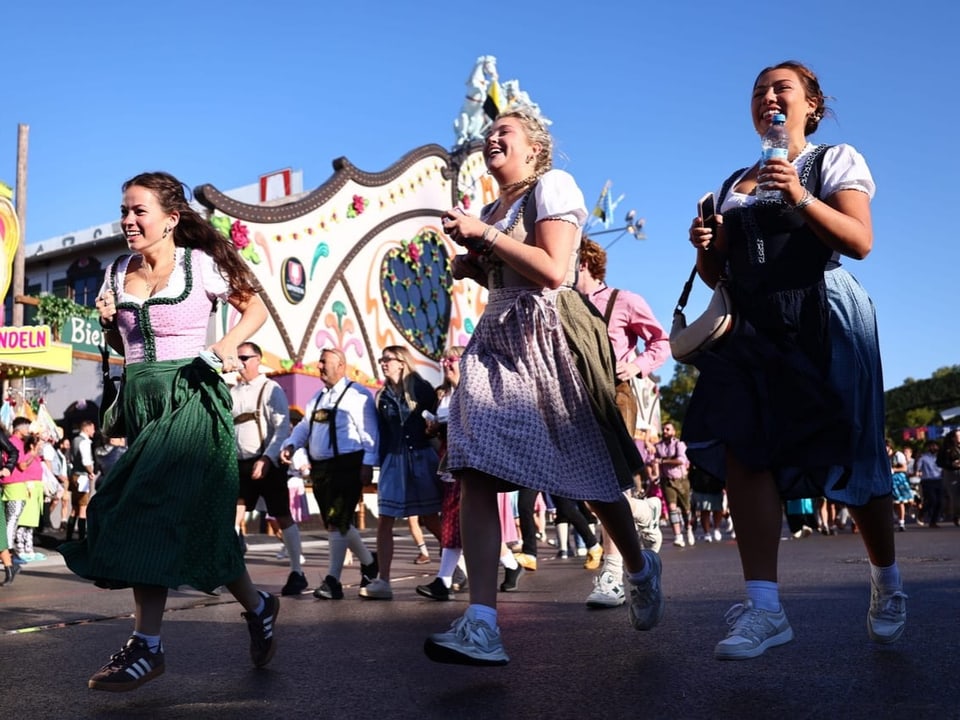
[811,86]
[193,231]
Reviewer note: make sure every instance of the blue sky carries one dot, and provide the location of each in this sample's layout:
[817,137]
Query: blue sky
[654,97]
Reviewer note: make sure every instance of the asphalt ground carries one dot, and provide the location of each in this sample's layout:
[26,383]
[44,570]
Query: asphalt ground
[363,659]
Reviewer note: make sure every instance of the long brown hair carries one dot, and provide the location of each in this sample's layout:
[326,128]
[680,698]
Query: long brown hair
[193,231]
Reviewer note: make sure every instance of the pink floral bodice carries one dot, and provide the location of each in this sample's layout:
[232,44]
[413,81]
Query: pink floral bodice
[166,328]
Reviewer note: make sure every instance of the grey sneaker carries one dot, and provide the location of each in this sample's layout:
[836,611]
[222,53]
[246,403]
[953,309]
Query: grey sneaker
[607,592]
[378,589]
[752,631]
[646,599]
[467,642]
[887,615]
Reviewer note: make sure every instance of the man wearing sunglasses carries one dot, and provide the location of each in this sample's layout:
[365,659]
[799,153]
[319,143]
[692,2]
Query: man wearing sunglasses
[261,422]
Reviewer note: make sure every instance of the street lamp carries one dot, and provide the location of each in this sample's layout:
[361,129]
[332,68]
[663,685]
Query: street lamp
[633,226]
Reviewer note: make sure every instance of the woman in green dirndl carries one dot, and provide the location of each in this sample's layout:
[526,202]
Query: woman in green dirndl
[163,516]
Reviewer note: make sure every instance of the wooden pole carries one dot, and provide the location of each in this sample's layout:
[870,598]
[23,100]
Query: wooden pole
[20,256]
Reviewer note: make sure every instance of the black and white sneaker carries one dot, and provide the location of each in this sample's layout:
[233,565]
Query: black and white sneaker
[129,668]
[369,573]
[436,591]
[330,589]
[261,625]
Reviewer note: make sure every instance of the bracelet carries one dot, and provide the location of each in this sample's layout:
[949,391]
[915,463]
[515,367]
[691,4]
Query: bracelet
[489,241]
[805,200]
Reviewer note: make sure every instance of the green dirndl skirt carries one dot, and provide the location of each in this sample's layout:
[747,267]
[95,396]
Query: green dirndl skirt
[164,514]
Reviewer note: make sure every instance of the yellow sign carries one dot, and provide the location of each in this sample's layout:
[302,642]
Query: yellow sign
[9,238]
[24,339]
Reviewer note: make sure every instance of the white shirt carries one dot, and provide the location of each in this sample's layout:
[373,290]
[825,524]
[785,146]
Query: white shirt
[272,418]
[356,424]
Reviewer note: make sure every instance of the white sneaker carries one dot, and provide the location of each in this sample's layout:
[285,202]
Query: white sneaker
[887,615]
[378,589]
[282,555]
[752,631]
[467,642]
[607,592]
[679,541]
[691,540]
[707,537]
[717,535]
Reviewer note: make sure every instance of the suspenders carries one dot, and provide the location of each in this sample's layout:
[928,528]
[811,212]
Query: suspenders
[330,416]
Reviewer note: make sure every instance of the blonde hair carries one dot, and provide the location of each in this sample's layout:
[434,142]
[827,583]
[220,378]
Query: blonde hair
[537,134]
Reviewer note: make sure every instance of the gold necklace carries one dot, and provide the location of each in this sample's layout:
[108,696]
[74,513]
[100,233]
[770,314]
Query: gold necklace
[518,184]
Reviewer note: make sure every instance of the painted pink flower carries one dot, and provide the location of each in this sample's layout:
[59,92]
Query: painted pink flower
[359,204]
[413,250]
[240,235]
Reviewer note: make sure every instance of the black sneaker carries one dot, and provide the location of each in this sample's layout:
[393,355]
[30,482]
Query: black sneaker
[296,584]
[368,573]
[436,591]
[262,644]
[511,579]
[9,573]
[129,668]
[330,589]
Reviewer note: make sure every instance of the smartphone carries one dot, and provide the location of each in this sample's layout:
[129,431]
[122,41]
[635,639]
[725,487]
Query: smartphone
[707,211]
[212,360]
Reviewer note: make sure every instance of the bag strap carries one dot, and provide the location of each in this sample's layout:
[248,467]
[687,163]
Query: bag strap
[610,302]
[112,286]
[688,285]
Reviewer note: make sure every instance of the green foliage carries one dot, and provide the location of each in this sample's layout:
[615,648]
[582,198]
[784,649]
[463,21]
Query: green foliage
[675,395]
[54,311]
[919,402]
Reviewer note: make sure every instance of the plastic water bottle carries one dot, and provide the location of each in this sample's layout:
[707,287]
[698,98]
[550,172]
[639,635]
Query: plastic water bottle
[775,144]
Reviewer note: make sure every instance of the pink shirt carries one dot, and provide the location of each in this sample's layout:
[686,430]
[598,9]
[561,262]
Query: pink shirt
[631,321]
[34,470]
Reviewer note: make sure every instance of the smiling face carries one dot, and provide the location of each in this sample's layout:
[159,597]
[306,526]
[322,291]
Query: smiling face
[451,369]
[508,151]
[144,220]
[781,90]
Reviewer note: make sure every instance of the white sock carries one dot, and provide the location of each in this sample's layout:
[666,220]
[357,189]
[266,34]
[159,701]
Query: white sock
[152,641]
[483,613]
[449,557]
[422,547]
[338,551]
[887,579]
[355,543]
[613,564]
[764,594]
[291,541]
[509,561]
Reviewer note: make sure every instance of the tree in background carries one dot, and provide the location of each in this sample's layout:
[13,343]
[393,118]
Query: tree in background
[675,395]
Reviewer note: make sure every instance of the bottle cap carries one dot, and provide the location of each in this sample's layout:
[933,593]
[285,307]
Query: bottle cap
[779,118]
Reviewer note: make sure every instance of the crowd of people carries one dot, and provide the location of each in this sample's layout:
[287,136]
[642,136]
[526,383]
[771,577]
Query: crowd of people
[536,416]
